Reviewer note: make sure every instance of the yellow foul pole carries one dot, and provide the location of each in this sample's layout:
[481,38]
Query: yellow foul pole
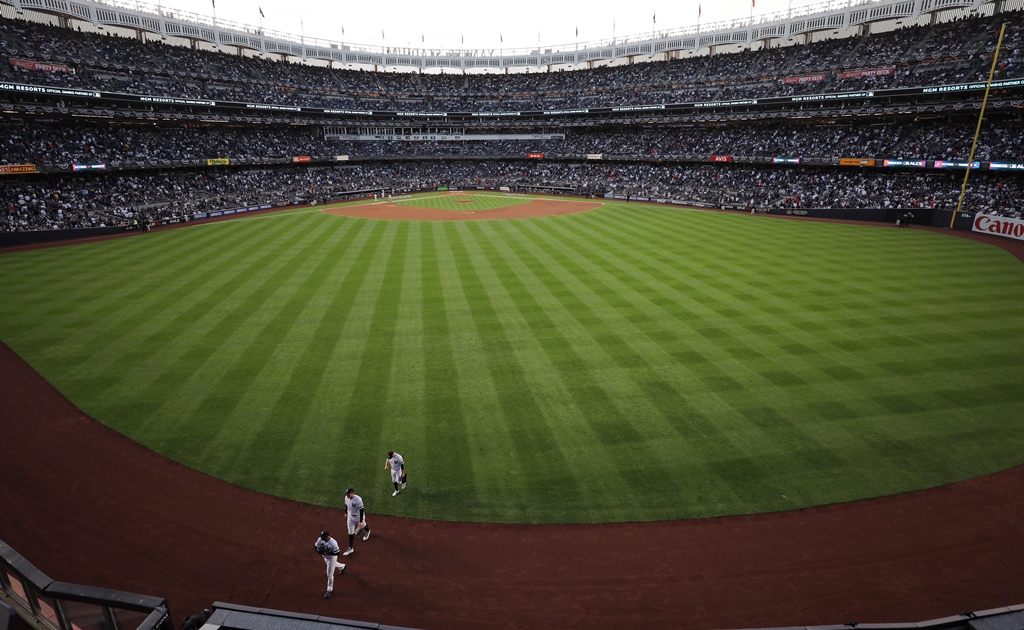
[977,130]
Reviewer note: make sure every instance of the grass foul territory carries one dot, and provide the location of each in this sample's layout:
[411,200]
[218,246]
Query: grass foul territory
[630,363]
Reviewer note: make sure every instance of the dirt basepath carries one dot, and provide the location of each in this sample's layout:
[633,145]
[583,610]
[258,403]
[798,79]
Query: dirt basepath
[529,210]
[88,505]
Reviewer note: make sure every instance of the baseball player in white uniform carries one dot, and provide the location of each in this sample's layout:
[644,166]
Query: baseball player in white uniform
[356,519]
[397,465]
[329,549]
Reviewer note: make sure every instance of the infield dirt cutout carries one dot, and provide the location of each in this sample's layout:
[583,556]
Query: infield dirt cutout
[405,212]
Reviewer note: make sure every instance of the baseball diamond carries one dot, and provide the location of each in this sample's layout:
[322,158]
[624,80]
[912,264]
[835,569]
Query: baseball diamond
[717,325]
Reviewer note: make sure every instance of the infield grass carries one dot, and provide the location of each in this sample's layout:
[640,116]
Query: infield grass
[465,202]
[634,362]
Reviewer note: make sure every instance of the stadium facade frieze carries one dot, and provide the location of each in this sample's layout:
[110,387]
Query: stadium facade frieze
[829,15]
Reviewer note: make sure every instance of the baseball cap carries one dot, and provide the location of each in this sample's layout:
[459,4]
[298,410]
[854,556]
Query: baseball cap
[325,534]
[350,491]
[391,454]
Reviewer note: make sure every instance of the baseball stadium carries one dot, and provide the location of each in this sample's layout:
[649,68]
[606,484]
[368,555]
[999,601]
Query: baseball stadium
[709,327]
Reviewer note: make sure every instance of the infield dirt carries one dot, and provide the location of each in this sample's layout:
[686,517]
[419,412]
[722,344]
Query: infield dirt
[530,210]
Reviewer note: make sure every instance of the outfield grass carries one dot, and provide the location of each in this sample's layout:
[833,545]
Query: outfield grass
[629,363]
[464,202]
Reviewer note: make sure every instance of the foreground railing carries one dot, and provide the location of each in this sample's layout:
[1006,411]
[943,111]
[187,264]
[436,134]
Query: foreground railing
[50,605]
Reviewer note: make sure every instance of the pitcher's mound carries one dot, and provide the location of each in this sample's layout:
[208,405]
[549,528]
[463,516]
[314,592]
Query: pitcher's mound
[529,210]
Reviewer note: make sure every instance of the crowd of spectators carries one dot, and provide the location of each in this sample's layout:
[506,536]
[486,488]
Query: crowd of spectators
[945,53]
[84,201]
[924,140]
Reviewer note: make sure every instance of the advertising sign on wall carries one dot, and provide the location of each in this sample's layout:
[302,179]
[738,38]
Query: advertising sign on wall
[856,162]
[218,162]
[952,164]
[874,72]
[301,158]
[41,67]
[17,169]
[807,78]
[721,158]
[1003,226]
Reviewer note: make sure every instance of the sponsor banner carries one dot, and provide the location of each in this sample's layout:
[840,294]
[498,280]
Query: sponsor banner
[785,160]
[907,163]
[42,67]
[301,158]
[504,189]
[442,188]
[227,212]
[807,78]
[1006,166]
[216,214]
[1003,226]
[721,158]
[341,158]
[856,162]
[88,167]
[595,156]
[874,72]
[199,215]
[17,169]
[218,162]
[952,164]
[535,156]
[179,101]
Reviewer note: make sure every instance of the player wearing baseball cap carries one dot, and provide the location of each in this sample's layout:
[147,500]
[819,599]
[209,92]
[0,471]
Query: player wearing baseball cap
[356,519]
[397,465]
[328,548]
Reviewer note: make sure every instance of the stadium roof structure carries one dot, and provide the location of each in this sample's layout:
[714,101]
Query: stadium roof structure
[830,15]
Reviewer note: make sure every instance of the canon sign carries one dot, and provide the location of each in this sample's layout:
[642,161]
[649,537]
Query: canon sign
[721,158]
[1003,226]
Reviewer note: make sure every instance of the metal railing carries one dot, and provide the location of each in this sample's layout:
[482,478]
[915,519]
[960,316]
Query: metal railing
[46,604]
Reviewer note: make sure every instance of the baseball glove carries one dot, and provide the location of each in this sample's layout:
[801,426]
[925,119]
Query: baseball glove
[320,548]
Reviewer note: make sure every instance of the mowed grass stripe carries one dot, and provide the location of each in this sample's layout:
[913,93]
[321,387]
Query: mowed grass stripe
[295,421]
[362,417]
[568,396]
[189,343]
[106,313]
[605,361]
[142,342]
[466,379]
[129,314]
[436,443]
[106,277]
[665,393]
[538,460]
[251,334]
[287,339]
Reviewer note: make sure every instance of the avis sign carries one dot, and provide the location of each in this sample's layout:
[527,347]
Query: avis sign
[1003,226]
